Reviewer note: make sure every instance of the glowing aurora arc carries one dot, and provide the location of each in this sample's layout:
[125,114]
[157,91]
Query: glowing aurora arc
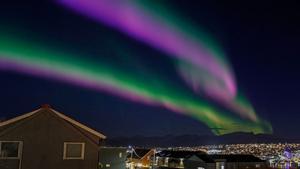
[199,60]
[37,60]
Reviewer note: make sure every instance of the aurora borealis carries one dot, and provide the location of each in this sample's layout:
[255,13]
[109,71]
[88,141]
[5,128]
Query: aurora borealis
[155,31]
[200,61]
[59,66]
[202,66]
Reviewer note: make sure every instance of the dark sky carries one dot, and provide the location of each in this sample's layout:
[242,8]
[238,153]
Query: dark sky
[261,40]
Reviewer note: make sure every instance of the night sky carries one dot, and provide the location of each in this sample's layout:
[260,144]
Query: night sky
[260,41]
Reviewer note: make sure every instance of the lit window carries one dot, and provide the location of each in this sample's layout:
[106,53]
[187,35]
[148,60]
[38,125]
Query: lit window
[74,150]
[167,161]
[10,149]
[181,162]
[220,165]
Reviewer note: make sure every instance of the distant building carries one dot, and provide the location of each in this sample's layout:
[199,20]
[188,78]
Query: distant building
[112,157]
[199,160]
[47,139]
[139,158]
[183,159]
[236,161]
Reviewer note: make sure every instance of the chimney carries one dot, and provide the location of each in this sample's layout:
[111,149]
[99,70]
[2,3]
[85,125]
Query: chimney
[45,106]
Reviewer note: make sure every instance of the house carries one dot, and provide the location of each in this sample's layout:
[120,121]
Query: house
[47,139]
[184,159]
[238,161]
[199,160]
[140,158]
[112,157]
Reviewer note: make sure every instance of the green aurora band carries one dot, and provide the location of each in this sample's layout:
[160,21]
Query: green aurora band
[193,74]
[40,60]
[200,60]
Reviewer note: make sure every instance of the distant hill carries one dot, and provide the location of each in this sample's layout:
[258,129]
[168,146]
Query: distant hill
[195,140]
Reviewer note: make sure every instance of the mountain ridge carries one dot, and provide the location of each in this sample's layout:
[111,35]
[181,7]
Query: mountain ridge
[196,140]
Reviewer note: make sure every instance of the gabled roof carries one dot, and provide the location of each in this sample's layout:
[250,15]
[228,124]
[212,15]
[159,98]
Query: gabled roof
[205,157]
[62,116]
[186,155]
[139,153]
[96,133]
[176,154]
[16,119]
[236,158]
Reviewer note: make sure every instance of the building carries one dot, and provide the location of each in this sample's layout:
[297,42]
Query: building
[238,161]
[199,160]
[112,157]
[139,158]
[184,159]
[47,139]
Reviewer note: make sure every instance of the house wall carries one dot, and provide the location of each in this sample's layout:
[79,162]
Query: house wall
[160,161]
[210,166]
[9,164]
[187,164]
[112,158]
[194,164]
[245,165]
[43,137]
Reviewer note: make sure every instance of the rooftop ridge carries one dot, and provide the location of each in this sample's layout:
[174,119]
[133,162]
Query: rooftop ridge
[60,115]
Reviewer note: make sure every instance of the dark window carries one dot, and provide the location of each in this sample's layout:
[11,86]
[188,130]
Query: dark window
[74,150]
[9,149]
